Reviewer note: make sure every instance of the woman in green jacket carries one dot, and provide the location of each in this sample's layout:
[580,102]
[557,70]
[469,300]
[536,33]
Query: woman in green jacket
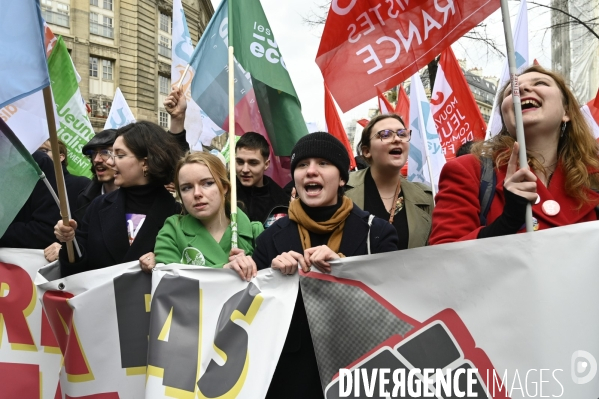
[382,191]
[202,235]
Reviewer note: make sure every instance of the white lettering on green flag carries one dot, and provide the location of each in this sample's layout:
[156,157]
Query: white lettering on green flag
[259,54]
[75,128]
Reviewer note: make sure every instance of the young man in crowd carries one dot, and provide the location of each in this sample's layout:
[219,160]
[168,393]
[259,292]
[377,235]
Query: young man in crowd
[102,183]
[97,150]
[263,199]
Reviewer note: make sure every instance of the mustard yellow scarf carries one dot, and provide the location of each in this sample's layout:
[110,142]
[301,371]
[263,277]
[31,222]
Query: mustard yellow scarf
[334,225]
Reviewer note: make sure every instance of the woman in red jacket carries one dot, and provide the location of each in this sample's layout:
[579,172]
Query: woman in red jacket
[559,180]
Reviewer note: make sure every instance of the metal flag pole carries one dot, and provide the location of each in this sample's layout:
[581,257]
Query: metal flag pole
[232,177]
[511,58]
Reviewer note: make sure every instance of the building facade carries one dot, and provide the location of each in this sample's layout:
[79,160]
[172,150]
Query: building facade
[125,44]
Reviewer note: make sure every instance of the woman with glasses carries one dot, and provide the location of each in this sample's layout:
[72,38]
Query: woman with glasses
[381,190]
[122,226]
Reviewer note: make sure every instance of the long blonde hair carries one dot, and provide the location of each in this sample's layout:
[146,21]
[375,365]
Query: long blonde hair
[577,149]
[218,172]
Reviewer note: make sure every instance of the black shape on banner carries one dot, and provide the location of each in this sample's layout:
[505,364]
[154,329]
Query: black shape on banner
[181,296]
[232,340]
[130,290]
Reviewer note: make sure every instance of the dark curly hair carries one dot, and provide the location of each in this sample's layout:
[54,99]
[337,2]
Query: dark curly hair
[148,140]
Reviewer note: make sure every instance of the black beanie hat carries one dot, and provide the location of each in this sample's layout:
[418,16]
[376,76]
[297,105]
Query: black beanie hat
[321,145]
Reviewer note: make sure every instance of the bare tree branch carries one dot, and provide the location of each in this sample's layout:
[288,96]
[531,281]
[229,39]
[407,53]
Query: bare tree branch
[586,24]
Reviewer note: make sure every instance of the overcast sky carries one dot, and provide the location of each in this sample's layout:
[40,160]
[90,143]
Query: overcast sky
[299,44]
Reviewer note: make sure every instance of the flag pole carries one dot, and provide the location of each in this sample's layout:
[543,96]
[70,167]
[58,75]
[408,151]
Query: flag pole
[511,57]
[232,177]
[62,195]
[183,76]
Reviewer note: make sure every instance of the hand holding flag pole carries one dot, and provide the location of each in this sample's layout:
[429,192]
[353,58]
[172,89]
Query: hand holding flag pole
[511,56]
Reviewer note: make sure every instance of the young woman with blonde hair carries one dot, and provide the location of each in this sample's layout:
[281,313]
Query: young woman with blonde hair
[202,235]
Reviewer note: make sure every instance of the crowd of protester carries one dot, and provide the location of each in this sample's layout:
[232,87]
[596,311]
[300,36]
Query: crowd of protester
[127,211]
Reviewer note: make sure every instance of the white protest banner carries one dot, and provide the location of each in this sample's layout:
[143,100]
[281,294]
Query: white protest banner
[512,316]
[226,334]
[120,114]
[29,354]
[208,332]
[100,320]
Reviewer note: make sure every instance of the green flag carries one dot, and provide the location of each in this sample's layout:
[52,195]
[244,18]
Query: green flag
[75,128]
[18,175]
[257,51]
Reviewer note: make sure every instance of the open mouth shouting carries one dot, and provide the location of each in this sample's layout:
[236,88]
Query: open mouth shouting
[313,189]
[530,104]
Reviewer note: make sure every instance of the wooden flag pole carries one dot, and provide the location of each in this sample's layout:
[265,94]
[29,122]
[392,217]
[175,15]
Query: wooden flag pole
[183,77]
[511,58]
[232,177]
[62,195]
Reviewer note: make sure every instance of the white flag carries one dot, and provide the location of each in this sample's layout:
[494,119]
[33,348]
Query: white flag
[199,127]
[426,154]
[522,62]
[120,113]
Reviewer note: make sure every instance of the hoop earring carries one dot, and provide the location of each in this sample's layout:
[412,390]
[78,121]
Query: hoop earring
[563,130]
[145,172]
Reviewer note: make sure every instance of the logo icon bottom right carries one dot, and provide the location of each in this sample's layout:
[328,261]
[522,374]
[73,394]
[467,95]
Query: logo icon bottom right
[583,367]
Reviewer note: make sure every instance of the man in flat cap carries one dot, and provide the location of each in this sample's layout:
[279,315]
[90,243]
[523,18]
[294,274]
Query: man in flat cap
[97,150]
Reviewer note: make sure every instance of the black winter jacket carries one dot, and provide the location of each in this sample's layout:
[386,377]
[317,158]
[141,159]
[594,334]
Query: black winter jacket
[102,234]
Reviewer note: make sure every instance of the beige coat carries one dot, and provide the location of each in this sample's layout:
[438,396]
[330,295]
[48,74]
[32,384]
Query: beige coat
[418,200]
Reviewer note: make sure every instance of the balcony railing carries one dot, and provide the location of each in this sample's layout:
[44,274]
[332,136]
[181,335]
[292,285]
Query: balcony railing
[101,30]
[56,18]
[164,51]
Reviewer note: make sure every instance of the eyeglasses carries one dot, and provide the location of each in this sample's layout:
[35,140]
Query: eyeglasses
[104,154]
[404,135]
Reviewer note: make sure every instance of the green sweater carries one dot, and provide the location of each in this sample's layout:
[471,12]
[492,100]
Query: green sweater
[185,240]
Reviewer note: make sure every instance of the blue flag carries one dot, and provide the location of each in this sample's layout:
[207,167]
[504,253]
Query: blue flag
[23,67]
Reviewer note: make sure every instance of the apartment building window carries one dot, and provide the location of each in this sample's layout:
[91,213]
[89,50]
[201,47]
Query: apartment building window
[55,12]
[164,84]
[93,67]
[165,23]
[107,67]
[164,46]
[106,70]
[163,119]
[105,4]
[100,25]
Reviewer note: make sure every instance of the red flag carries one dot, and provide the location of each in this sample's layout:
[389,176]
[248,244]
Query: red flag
[385,106]
[457,117]
[363,122]
[403,105]
[377,44]
[335,126]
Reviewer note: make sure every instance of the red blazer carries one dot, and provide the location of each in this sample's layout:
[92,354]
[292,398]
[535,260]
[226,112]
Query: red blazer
[457,208]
